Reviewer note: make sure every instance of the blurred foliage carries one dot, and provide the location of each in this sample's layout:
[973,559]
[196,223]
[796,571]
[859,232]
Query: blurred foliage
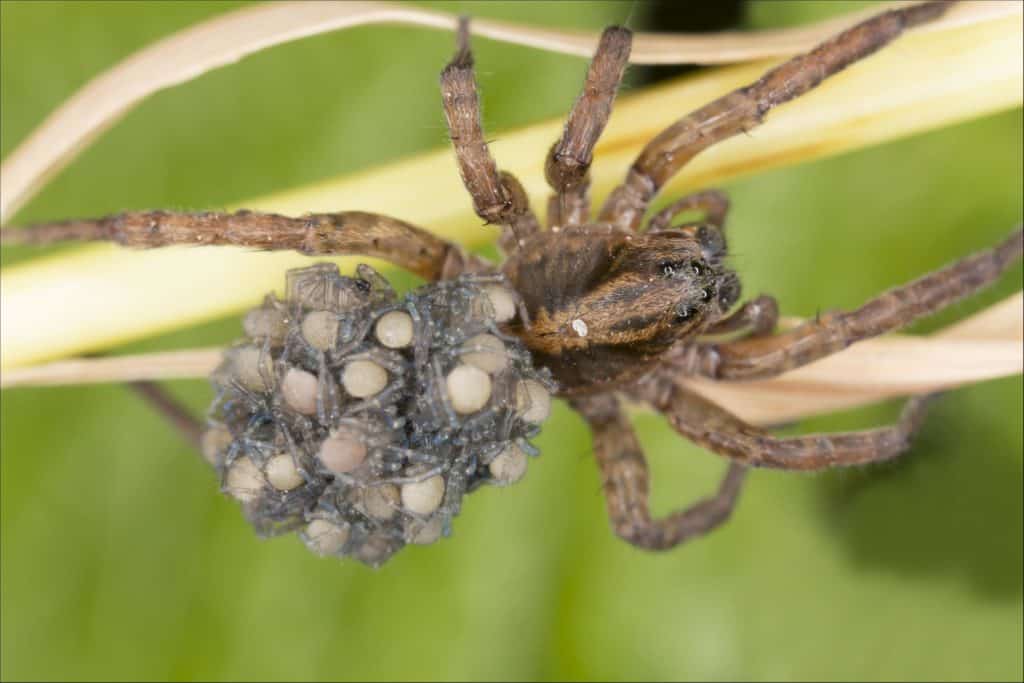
[121,561]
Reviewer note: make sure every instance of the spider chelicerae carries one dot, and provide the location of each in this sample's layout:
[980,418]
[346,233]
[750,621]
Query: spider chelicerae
[607,308]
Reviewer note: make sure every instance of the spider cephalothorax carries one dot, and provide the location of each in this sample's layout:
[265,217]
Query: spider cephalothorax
[605,303]
[608,308]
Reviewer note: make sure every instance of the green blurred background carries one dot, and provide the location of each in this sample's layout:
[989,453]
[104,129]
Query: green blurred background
[120,560]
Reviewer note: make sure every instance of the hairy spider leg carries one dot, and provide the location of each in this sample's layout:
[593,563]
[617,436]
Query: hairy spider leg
[626,483]
[348,232]
[176,415]
[746,107]
[498,197]
[758,358]
[718,430]
[568,163]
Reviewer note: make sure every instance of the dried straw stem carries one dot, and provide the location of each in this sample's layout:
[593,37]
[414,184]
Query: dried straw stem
[985,346]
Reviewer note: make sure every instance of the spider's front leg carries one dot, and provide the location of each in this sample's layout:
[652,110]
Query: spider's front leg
[718,430]
[763,357]
[745,108]
[568,164]
[497,196]
[627,483]
[348,232]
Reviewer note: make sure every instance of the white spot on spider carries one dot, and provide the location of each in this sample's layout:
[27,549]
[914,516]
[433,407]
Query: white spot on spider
[214,443]
[394,330]
[282,474]
[341,453]
[381,502]
[299,388]
[533,402]
[485,351]
[579,327]
[244,480]
[423,497]
[423,533]
[502,303]
[325,538]
[469,389]
[363,378]
[320,328]
[509,466]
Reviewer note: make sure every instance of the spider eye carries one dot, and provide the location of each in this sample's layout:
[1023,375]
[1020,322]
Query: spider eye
[671,268]
[683,313]
[674,268]
[363,285]
[706,294]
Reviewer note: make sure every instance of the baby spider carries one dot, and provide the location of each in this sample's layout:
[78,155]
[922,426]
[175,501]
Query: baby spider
[591,309]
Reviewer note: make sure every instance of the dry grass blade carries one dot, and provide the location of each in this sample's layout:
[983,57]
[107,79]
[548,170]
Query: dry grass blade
[184,364]
[985,346]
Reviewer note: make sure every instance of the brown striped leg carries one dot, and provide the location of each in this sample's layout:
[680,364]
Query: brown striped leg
[568,163]
[718,430]
[626,483]
[762,357]
[176,414]
[498,197]
[745,108]
[349,232]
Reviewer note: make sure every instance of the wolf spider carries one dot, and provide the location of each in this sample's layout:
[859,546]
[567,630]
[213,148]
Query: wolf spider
[612,309]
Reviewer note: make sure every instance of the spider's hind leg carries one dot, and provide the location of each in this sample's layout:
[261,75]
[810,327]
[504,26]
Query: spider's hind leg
[711,426]
[179,417]
[627,483]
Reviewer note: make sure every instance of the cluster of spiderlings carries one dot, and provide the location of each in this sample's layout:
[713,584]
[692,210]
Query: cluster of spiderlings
[360,420]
